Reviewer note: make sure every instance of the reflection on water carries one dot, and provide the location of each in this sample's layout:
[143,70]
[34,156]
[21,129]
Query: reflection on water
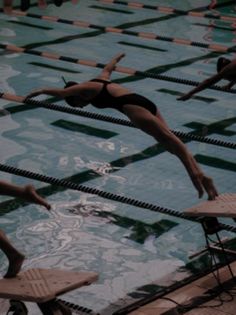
[7,72]
[6,32]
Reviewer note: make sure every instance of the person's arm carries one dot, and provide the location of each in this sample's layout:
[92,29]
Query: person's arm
[202,86]
[47,91]
[27,193]
[225,73]
[60,93]
[106,72]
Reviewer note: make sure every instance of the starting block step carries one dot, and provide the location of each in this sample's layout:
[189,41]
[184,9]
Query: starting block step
[223,206]
[43,285]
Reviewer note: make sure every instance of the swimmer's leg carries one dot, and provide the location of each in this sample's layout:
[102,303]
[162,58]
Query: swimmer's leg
[158,129]
[14,256]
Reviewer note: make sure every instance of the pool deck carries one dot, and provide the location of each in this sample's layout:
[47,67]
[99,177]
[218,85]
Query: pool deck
[196,291]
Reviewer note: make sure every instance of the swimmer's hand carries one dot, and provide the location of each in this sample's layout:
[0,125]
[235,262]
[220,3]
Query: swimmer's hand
[184,97]
[34,93]
[31,195]
[119,56]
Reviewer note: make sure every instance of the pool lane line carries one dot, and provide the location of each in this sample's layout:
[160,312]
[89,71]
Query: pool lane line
[170,10]
[121,69]
[75,111]
[104,194]
[116,30]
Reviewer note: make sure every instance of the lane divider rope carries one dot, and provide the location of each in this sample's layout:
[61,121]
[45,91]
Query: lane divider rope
[116,30]
[104,194]
[77,308]
[121,69]
[170,10]
[119,121]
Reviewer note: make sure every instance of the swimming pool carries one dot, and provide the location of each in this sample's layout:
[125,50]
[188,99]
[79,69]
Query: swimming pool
[135,251]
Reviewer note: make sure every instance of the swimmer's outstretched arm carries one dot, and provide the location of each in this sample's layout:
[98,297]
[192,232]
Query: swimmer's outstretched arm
[106,72]
[47,91]
[227,72]
[58,92]
[202,86]
[156,127]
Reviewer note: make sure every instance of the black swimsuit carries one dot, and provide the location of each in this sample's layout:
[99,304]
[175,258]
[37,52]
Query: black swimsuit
[105,100]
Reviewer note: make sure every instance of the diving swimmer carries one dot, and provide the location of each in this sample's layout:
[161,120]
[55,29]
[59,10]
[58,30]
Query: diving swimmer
[103,93]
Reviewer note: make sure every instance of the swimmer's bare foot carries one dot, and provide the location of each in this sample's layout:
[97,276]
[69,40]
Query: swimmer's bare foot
[15,265]
[209,187]
[74,1]
[42,4]
[32,196]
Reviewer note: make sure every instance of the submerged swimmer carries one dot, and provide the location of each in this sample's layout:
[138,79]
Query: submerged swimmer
[25,4]
[102,93]
[226,69]
[42,4]
[29,194]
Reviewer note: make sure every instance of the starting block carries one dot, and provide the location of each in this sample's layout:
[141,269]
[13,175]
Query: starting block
[42,286]
[223,206]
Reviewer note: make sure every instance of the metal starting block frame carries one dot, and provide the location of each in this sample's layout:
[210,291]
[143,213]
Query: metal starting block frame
[223,206]
[42,286]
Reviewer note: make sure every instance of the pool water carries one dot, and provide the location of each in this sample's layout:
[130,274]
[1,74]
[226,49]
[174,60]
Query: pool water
[134,250]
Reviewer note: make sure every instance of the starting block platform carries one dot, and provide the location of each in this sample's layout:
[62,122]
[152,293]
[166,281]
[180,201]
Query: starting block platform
[42,286]
[223,206]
